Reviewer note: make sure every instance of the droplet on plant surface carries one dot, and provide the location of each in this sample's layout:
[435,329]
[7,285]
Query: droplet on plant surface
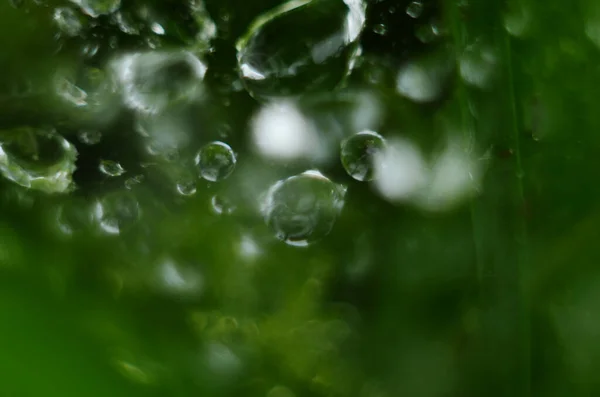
[300,46]
[111,168]
[414,9]
[477,65]
[303,208]
[37,158]
[423,80]
[89,137]
[151,81]
[68,21]
[116,212]
[358,153]
[215,161]
[95,8]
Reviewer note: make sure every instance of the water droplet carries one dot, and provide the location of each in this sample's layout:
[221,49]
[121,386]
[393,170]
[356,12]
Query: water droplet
[95,8]
[186,187]
[153,80]
[207,29]
[68,21]
[37,159]
[380,29]
[221,205]
[126,23]
[116,212]
[157,28]
[426,33]
[280,56]
[166,131]
[72,217]
[69,92]
[130,183]
[303,208]
[517,19]
[477,64]
[358,153]
[215,161]
[414,9]
[89,137]
[111,168]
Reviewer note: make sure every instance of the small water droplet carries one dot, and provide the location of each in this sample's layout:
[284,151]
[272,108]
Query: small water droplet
[215,161]
[111,168]
[477,64]
[221,205]
[186,187]
[414,9]
[157,28]
[126,23]
[358,153]
[130,183]
[37,158]
[380,29]
[116,212]
[153,80]
[303,208]
[89,137]
[95,8]
[71,93]
[68,21]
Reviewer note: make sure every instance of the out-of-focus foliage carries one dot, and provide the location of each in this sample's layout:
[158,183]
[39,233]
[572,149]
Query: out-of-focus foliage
[227,232]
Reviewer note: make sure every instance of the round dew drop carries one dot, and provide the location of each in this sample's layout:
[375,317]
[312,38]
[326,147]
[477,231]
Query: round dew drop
[358,153]
[303,208]
[215,161]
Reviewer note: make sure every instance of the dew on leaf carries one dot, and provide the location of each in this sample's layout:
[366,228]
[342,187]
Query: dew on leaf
[36,158]
[303,208]
[358,153]
[215,161]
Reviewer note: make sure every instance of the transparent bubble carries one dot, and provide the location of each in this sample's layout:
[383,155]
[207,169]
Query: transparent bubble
[220,205]
[186,187]
[111,168]
[130,183]
[95,8]
[126,23]
[151,81]
[69,92]
[477,65]
[37,158]
[380,29]
[300,46]
[303,208]
[89,137]
[358,153]
[215,161]
[414,9]
[72,217]
[116,212]
[68,21]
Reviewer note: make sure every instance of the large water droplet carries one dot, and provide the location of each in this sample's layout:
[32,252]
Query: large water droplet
[116,212]
[95,8]
[414,9]
[300,46]
[68,21]
[358,153]
[303,208]
[215,161]
[151,81]
[37,158]
[111,168]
